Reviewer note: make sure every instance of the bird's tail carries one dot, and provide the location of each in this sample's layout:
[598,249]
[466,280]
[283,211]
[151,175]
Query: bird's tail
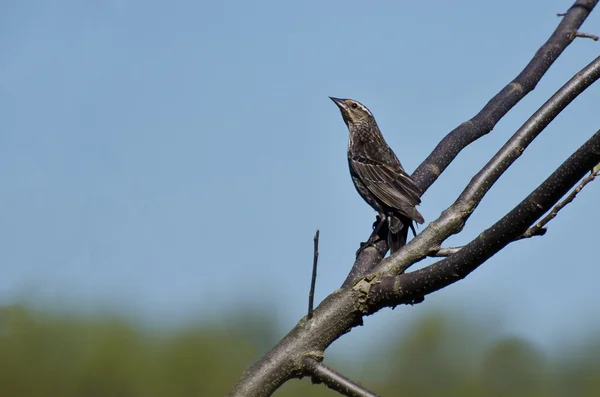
[398,232]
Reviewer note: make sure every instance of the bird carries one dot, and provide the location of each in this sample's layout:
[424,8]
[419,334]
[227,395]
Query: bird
[378,175]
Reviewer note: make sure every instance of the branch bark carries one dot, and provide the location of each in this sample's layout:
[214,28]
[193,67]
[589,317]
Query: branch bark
[406,287]
[539,228]
[454,218]
[484,121]
[313,278]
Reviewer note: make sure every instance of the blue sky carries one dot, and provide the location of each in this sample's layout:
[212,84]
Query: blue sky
[172,161]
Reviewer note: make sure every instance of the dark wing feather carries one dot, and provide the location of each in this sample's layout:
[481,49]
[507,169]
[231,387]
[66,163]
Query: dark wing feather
[388,182]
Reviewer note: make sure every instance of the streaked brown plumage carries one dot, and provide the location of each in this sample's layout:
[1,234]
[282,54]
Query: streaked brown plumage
[377,173]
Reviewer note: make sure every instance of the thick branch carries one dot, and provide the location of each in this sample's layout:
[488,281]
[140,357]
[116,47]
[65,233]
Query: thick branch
[367,259]
[408,286]
[335,381]
[453,219]
[499,105]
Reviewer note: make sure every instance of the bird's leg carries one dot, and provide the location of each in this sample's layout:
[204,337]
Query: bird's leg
[374,237]
[379,222]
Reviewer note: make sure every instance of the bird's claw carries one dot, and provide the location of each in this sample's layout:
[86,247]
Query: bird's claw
[369,243]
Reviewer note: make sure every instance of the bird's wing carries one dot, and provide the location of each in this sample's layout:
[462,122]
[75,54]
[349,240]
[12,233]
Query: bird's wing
[388,182]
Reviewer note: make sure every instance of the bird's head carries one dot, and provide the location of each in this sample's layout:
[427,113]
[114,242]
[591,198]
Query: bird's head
[353,112]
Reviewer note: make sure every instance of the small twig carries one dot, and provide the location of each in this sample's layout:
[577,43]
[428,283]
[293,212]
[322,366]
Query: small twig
[313,280]
[584,35]
[443,252]
[320,373]
[533,231]
[538,229]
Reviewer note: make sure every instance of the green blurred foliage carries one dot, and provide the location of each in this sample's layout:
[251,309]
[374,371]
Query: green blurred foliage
[440,355]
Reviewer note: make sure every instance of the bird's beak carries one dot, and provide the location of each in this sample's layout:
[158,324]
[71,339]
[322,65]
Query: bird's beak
[341,103]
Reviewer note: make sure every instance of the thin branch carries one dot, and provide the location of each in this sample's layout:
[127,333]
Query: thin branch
[443,252]
[585,36]
[313,280]
[536,229]
[484,121]
[407,287]
[454,218]
[447,150]
[320,373]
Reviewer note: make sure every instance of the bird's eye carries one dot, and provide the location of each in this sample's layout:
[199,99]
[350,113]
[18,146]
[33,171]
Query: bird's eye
[354,106]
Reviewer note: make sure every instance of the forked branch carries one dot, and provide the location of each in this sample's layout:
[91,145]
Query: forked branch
[453,219]
[484,121]
[406,287]
[345,308]
[539,227]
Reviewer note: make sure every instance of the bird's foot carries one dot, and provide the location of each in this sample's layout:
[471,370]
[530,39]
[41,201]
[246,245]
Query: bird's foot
[369,243]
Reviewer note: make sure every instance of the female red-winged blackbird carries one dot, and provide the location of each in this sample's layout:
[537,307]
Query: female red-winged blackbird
[378,175]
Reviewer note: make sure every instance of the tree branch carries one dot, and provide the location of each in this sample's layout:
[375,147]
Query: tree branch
[345,308]
[443,252]
[454,218]
[538,228]
[335,381]
[367,259]
[390,290]
[447,150]
[586,36]
[313,279]
[484,121]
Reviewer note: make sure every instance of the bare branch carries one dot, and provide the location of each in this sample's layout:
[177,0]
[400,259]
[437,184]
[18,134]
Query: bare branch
[313,280]
[335,381]
[368,257]
[447,150]
[453,219]
[443,252]
[585,36]
[345,308]
[484,121]
[405,288]
[536,229]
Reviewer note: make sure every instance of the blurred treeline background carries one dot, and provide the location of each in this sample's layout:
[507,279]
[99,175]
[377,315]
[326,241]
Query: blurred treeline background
[442,354]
